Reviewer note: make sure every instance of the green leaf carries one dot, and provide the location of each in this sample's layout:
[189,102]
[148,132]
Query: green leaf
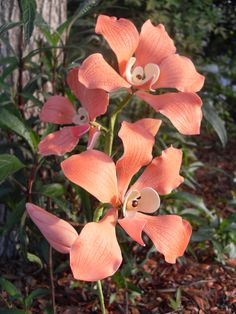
[6,26]
[10,288]
[12,122]
[45,29]
[194,200]
[119,280]
[9,164]
[28,11]
[53,190]
[85,7]
[35,294]
[34,259]
[216,122]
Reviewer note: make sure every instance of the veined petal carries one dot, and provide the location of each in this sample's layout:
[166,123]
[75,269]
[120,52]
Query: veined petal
[58,110]
[95,73]
[121,35]
[183,109]
[169,233]
[163,173]
[96,254]
[134,227]
[62,141]
[138,140]
[95,101]
[179,72]
[59,233]
[154,45]
[95,172]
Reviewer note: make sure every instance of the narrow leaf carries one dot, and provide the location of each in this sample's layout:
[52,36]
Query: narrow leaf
[6,26]
[12,122]
[35,294]
[9,164]
[28,11]
[85,7]
[10,288]
[216,122]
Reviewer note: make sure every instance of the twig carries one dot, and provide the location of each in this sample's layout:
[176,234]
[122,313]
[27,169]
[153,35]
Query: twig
[50,265]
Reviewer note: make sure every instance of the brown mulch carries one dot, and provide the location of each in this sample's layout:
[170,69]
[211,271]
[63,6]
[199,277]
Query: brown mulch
[206,287]
[217,174]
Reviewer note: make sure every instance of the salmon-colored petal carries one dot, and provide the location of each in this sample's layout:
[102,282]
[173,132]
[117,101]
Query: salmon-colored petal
[169,233]
[62,141]
[183,109]
[58,110]
[180,73]
[154,45]
[95,101]
[138,140]
[163,173]
[94,134]
[95,73]
[96,254]
[95,172]
[59,233]
[121,35]
[134,227]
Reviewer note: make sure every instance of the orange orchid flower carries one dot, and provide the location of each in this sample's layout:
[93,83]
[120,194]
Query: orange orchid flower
[147,62]
[59,110]
[95,253]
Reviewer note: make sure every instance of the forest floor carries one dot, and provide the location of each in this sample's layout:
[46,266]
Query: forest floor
[205,285]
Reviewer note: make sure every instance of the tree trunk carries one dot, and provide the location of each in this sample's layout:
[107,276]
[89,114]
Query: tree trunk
[54,12]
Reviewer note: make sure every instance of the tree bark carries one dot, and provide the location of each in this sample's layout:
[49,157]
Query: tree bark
[54,12]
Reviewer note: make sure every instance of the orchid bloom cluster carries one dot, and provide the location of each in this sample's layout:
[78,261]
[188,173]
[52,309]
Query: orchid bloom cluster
[147,62]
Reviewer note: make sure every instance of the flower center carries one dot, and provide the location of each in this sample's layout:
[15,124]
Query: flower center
[81,118]
[147,201]
[138,75]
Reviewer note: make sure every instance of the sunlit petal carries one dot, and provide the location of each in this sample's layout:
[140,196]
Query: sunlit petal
[95,73]
[122,36]
[59,233]
[138,140]
[183,109]
[96,254]
[155,44]
[95,101]
[179,72]
[134,227]
[95,172]
[169,233]
[163,173]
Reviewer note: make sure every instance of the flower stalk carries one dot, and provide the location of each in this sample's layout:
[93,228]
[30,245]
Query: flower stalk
[101,297]
[110,135]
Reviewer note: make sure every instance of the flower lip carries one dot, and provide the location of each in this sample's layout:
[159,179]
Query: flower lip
[82,117]
[147,200]
[139,76]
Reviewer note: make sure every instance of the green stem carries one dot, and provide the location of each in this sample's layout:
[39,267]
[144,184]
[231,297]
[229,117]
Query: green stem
[108,149]
[101,297]
[110,136]
[98,213]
